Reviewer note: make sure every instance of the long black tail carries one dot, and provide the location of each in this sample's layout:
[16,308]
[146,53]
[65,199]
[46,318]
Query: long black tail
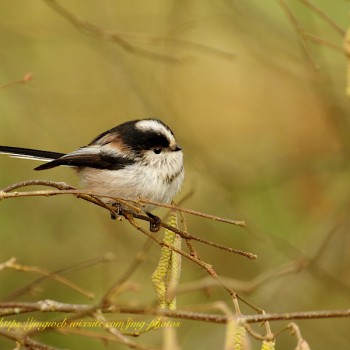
[28,153]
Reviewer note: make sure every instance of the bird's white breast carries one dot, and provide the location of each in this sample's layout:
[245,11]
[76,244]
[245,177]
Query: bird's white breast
[157,180]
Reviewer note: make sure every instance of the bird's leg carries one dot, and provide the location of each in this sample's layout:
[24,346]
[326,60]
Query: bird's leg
[154,225]
[118,209]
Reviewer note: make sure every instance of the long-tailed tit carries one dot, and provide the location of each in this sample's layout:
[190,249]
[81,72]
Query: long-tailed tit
[139,158]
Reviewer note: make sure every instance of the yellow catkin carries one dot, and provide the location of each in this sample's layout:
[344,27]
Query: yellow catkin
[239,341]
[166,277]
[231,331]
[268,345]
[175,269]
[159,276]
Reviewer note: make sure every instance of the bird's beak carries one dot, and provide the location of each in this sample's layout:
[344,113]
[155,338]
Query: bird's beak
[177,148]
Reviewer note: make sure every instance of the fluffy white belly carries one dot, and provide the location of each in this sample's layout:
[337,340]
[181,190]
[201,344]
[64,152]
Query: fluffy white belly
[134,182]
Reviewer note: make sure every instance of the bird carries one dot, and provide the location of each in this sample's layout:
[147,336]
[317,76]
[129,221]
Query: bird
[136,159]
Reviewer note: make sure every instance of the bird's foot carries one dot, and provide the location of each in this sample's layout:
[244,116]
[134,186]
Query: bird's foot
[118,211]
[154,225]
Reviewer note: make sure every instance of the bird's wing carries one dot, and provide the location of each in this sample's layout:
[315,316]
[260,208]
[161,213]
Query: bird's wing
[99,157]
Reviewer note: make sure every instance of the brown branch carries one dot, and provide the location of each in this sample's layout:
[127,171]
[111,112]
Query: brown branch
[88,334]
[156,40]
[190,237]
[205,266]
[27,77]
[299,31]
[12,264]
[16,308]
[119,336]
[193,212]
[245,287]
[85,264]
[123,39]
[117,286]
[321,41]
[94,198]
[161,243]
[63,189]
[190,247]
[303,315]
[101,33]
[25,341]
[324,17]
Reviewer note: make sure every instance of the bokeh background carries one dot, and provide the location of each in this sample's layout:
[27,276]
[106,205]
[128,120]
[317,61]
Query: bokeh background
[265,137]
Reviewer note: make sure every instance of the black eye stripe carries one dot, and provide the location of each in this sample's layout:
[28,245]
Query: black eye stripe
[141,140]
[137,139]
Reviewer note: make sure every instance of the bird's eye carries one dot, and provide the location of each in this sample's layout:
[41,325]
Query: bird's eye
[157,150]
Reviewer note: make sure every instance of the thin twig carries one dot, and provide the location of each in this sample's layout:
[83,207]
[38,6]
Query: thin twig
[193,212]
[115,288]
[63,189]
[245,287]
[25,341]
[191,248]
[203,265]
[321,41]
[156,40]
[67,189]
[101,33]
[94,198]
[121,338]
[123,39]
[323,16]
[299,31]
[207,267]
[188,236]
[85,264]
[27,77]
[34,269]
[89,334]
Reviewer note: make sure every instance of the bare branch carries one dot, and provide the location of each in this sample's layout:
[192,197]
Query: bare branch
[194,212]
[27,342]
[324,42]
[91,29]
[16,308]
[324,17]
[299,31]
[27,78]
[245,287]
[123,39]
[94,198]
[85,264]
[120,337]
[117,286]
[34,269]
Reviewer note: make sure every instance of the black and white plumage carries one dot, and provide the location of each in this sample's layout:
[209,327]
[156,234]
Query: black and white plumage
[139,158]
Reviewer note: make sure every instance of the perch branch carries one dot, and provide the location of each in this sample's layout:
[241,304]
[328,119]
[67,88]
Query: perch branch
[62,188]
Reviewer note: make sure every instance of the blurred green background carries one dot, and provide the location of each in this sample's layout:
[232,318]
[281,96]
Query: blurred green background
[265,137]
